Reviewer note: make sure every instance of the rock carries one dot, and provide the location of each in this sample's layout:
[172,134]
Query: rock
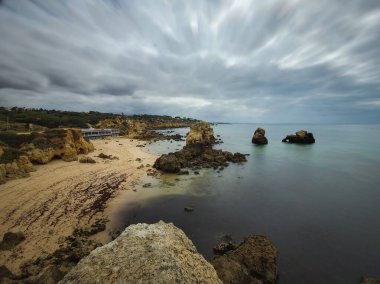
[200,134]
[369,280]
[259,137]
[50,275]
[10,240]
[3,174]
[168,163]
[86,159]
[157,253]
[223,247]
[188,209]
[301,137]
[252,261]
[5,274]
[147,185]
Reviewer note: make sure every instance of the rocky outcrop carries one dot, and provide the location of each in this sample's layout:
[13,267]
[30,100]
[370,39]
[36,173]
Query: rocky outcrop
[20,167]
[198,153]
[200,134]
[259,137]
[64,144]
[301,137]
[157,253]
[252,261]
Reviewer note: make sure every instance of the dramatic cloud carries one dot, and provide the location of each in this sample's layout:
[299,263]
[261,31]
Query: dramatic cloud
[247,61]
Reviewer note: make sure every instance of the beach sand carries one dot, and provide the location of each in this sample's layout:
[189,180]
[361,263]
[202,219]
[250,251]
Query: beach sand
[62,196]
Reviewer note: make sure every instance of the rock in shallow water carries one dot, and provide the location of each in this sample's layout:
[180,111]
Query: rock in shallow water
[157,253]
[259,137]
[301,137]
[252,261]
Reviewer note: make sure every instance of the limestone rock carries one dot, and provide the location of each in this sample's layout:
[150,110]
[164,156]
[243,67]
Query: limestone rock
[58,143]
[259,137]
[253,261]
[86,159]
[301,137]
[157,253]
[168,163]
[200,134]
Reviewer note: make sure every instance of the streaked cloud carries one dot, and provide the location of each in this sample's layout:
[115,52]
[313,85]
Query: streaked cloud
[267,61]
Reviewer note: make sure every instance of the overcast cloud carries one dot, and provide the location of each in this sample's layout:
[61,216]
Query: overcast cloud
[242,61]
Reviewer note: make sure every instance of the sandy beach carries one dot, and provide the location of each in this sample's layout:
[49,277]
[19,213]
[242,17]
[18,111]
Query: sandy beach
[62,196]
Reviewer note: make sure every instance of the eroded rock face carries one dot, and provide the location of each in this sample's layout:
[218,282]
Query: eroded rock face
[65,144]
[200,134]
[252,261]
[198,153]
[157,253]
[301,137]
[259,137]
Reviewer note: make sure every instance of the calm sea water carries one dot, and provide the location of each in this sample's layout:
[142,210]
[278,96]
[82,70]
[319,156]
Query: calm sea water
[319,204]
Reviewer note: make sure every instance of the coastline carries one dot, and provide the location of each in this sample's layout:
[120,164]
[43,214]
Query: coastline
[63,196]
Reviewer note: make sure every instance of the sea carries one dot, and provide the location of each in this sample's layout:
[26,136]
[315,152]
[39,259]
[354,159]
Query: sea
[319,204]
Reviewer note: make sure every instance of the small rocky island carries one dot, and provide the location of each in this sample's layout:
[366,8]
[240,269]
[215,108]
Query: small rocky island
[301,137]
[259,137]
[198,153]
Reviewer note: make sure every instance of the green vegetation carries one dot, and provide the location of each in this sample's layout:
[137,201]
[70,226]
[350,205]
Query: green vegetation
[21,117]
[9,155]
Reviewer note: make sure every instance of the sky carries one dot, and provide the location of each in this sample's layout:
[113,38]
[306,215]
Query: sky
[269,61]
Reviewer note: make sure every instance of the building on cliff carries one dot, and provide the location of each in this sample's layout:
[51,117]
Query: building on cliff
[93,133]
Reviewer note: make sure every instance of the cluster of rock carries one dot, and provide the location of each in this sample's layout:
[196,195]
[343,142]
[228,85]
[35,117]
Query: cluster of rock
[198,153]
[40,148]
[157,253]
[301,137]
[252,261]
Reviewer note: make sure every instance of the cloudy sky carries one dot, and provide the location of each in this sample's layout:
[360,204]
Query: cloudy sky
[242,61]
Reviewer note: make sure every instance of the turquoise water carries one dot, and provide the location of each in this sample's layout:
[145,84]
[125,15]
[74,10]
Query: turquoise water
[319,204]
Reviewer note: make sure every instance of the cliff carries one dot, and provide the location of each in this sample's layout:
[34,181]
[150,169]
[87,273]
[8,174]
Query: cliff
[157,253]
[19,151]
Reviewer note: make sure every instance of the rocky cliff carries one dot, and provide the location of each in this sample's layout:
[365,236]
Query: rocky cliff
[200,134]
[16,158]
[157,253]
[65,144]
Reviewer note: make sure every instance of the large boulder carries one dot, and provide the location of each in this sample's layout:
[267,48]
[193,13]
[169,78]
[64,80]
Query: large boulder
[200,134]
[259,137]
[252,261]
[301,137]
[157,253]
[11,239]
[168,163]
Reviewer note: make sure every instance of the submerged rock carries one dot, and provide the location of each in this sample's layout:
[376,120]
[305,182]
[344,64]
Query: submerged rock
[252,261]
[157,253]
[259,137]
[301,137]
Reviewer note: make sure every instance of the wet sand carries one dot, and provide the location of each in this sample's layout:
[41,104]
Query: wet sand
[62,196]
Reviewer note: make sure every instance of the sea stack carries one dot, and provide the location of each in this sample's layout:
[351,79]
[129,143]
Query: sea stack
[259,137]
[301,137]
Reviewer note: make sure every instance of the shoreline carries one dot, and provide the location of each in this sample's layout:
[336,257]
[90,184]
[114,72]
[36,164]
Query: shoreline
[62,197]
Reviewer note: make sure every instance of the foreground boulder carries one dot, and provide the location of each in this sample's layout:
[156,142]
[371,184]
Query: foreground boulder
[252,261]
[259,137]
[301,137]
[157,253]
[11,239]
